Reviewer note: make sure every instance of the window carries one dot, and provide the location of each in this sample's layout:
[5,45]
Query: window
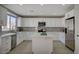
[11,23]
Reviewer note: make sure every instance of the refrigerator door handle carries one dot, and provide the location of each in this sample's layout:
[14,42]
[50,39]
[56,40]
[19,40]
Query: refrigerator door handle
[66,30]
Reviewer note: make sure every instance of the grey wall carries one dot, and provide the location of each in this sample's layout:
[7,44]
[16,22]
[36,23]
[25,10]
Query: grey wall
[77,28]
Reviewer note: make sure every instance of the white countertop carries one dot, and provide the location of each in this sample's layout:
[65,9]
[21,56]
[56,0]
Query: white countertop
[38,34]
[7,34]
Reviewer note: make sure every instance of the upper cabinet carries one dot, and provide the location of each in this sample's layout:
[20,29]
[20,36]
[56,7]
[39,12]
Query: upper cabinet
[69,14]
[50,22]
[3,16]
[19,21]
[31,22]
[54,22]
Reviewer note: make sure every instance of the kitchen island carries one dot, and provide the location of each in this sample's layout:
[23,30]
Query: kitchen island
[42,44]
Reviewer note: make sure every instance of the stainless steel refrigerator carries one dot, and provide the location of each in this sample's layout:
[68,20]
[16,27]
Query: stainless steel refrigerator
[70,33]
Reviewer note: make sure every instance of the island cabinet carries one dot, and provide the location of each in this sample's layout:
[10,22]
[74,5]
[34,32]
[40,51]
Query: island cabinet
[42,45]
[5,44]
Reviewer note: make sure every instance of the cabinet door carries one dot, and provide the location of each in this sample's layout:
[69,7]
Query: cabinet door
[3,16]
[6,44]
[42,45]
[19,22]
[20,37]
[69,14]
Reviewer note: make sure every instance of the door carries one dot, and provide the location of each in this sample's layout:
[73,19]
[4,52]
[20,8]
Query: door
[70,33]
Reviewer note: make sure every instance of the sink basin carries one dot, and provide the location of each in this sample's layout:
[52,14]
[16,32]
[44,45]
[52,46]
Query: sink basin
[43,33]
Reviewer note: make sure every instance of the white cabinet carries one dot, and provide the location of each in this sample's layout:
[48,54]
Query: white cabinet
[3,16]
[19,22]
[54,22]
[31,22]
[5,44]
[42,45]
[20,37]
[69,14]
[50,22]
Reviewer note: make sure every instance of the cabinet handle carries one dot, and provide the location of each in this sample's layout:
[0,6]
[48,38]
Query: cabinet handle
[77,35]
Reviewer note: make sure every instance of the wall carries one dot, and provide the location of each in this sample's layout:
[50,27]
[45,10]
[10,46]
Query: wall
[76,28]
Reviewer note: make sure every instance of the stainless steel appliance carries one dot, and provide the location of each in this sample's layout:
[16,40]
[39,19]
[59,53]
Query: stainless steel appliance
[70,33]
[13,41]
[42,28]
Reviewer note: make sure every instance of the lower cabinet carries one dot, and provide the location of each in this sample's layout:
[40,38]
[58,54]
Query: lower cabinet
[42,45]
[5,44]
[20,37]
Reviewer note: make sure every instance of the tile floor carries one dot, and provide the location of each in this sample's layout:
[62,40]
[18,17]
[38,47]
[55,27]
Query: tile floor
[26,48]
[59,48]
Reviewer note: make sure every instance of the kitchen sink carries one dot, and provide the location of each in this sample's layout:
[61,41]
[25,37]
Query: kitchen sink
[43,33]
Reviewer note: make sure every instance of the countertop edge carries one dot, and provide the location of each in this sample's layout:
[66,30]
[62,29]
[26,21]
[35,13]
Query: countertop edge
[7,34]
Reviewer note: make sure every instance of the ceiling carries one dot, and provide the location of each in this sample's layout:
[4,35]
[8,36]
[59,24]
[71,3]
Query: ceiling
[40,10]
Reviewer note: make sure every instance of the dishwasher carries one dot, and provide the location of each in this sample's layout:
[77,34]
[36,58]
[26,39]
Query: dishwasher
[13,41]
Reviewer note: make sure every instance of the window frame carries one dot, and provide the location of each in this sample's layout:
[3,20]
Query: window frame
[10,29]
[10,21]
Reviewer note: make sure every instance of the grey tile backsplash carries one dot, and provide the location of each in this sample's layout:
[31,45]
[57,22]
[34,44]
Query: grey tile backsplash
[48,29]
[25,28]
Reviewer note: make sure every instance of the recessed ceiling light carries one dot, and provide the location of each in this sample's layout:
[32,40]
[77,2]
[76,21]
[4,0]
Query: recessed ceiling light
[42,4]
[21,4]
[63,4]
